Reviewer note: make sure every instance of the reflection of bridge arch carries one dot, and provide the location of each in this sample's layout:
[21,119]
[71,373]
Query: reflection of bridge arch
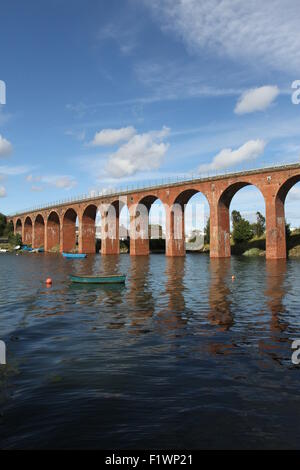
[273,183]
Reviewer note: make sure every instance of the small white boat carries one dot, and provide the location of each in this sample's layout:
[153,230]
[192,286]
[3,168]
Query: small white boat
[17,247]
[2,250]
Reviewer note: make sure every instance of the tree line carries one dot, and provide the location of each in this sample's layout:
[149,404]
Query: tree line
[242,229]
[7,231]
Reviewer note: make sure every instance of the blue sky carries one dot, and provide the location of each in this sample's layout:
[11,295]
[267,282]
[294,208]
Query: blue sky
[107,94]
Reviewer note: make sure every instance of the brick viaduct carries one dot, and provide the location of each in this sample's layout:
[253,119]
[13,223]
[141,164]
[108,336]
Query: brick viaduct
[56,225]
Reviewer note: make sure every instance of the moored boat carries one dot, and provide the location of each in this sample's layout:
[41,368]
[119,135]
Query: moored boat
[74,255]
[26,248]
[110,279]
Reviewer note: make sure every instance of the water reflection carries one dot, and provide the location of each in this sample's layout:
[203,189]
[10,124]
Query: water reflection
[220,294]
[163,361]
[172,317]
[140,294]
[175,289]
[275,291]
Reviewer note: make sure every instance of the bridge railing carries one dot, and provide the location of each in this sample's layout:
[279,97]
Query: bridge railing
[151,184]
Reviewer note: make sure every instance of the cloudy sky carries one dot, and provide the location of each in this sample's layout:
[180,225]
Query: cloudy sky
[108,94]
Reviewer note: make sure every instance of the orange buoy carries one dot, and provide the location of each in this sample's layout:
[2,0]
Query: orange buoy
[49,281]
[233,278]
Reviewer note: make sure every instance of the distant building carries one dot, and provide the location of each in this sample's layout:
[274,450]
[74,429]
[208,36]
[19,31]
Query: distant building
[155,232]
[194,234]
[123,233]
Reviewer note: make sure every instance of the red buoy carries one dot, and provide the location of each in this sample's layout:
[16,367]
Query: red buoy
[49,281]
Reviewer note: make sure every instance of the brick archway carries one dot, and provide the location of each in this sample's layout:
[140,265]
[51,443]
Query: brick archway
[69,230]
[139,224]
[176,221]
[274,183]
[28,231]
[39,231]
[87,232]
[276,241]
[52,232]
[19,227]
[110,215]
[220,219]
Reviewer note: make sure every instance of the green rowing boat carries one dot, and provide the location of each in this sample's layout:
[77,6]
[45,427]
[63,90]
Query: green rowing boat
[112,279]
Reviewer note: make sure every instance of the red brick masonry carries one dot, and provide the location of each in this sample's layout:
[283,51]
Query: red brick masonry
[56,225]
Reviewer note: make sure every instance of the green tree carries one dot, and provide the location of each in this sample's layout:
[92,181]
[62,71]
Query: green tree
[2,224]
[235,217]
[8,229]
[207,232]
[242,229]
[259,226]
[14,239]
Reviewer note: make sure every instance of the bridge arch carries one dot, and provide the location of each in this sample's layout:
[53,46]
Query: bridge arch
[186,213]
[220,219]
[28,231]
[69,230]
[19,226]
[279,231]
[53,232]
[39,231]
[87,235]
[139,224]
[124,226]
[110,219]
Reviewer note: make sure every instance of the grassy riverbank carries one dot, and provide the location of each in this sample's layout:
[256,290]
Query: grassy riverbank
[257,246]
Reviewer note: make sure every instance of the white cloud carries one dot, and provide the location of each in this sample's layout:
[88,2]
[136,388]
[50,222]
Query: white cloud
[294,193]
[2,191]
[78,135]
[65,182]
[142,152]
[256,99]
[31,178]
[228,157]
[108,137]
[5,147]
[123,33]
[37,189]
[61,182]
[13,170]
[266,32]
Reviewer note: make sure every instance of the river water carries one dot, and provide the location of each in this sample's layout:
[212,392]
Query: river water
[181,357]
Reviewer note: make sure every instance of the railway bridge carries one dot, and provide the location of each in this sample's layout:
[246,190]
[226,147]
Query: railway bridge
[55,224]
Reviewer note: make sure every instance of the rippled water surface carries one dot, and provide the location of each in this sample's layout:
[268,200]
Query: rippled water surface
[181,357]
